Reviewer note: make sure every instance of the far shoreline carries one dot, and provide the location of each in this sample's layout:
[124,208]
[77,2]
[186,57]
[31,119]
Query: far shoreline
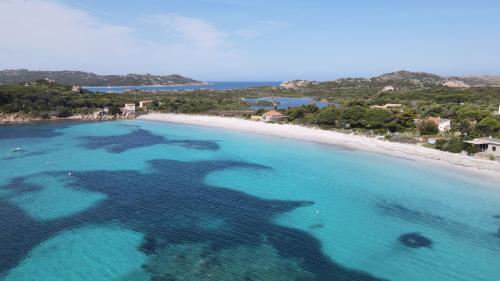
[147,85]
[452,162]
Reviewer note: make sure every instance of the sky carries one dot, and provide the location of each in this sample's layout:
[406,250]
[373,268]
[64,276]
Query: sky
[250,40]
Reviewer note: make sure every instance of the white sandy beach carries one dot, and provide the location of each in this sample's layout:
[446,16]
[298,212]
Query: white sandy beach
[460,162]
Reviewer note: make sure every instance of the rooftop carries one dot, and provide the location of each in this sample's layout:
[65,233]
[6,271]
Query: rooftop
[484,141]
[476,142]
[491,140]
[273,113]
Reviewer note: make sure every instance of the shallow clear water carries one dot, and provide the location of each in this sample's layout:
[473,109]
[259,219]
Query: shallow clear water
[211,85]
[137,200]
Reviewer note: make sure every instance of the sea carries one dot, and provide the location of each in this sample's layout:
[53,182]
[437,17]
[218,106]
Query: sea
[285,102]
[217,85]
[150,201]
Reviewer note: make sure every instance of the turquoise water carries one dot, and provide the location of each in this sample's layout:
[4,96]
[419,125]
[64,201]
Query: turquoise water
[137,200]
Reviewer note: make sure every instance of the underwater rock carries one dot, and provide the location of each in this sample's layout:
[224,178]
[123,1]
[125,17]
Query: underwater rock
[161,278]
[148,246]
[316,226]
[409,214]
[24,154]
[173,204]
[415,240]
[199,261]
[306,203]
[141,138]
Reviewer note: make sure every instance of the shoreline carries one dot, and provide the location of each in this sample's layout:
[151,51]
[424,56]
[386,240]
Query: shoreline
[488,168]
[20,119]
[148,85]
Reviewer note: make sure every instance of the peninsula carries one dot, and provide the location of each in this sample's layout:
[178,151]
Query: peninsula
[14,76]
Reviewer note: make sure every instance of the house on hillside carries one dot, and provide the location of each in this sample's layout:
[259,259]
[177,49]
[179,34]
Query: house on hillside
[129,108]
[273,117]
[144,104]
[490,146]
[386,106]
[444,125]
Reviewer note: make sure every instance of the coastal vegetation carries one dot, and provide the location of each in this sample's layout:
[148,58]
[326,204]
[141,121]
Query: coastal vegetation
[44,99]
[402,106]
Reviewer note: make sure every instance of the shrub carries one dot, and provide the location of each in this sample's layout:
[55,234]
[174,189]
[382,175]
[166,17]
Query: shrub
[454,145]
[428,128]
[488,126]
[114,110]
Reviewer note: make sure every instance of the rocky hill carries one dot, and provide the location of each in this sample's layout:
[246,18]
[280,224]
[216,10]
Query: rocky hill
[451,81]
[480,81]
[14,76]
[422,77]
[295,84]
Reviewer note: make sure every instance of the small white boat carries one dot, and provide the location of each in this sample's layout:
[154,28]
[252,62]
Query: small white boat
[17,149]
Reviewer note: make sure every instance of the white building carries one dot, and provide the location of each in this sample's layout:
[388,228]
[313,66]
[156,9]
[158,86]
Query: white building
[145,103]
[444,125]
[129,107]
[489,146]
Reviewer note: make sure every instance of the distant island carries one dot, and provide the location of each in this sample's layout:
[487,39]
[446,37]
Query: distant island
[402,79]
[66,77]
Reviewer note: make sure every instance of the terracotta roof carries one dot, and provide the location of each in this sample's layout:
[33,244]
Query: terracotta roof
[273,113]
[434,120]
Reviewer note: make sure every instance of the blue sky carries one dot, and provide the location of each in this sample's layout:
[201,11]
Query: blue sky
[252,39]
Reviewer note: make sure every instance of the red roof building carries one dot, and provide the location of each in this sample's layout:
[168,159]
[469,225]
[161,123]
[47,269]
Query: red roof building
[273,113]
[273,116]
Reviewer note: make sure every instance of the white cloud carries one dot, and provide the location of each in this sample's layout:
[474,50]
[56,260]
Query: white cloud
[193,31]
[45,34]
[47,31]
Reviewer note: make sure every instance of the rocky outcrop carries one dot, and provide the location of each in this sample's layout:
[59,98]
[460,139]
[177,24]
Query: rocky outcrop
[388,89]
[480,81]
[295,84]
[415,77]
[456,84]
[76,89]
[96,116]
[17,118]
